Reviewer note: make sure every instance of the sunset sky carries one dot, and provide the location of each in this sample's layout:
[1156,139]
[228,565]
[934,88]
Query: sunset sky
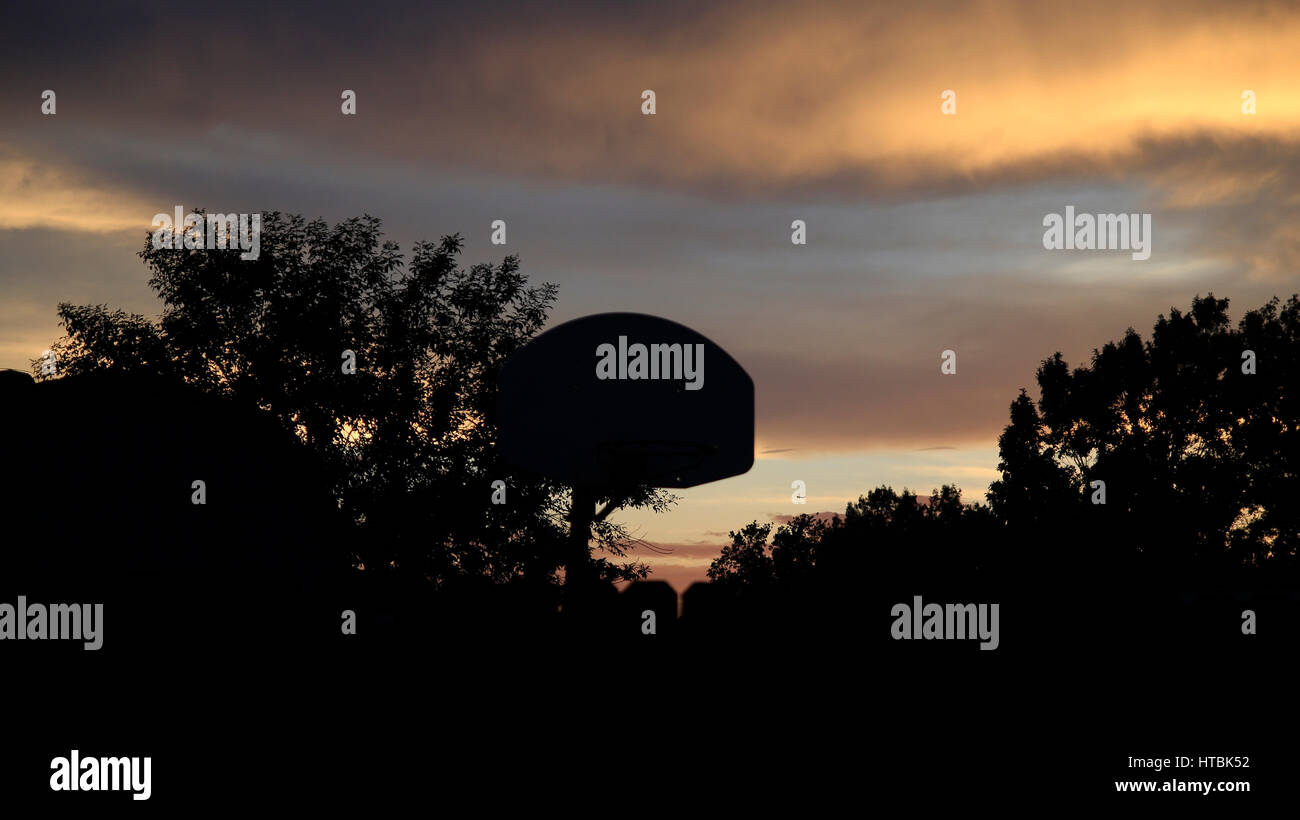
[924,230]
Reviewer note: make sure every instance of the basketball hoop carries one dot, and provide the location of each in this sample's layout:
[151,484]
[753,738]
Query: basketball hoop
[612,402]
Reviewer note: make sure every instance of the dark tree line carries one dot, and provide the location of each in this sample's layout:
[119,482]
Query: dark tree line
[1194,435]
[1194,432]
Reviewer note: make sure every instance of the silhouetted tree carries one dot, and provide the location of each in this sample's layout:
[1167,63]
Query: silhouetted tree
[408,438]
[1033,487]
[1197,456]
[883,532]
[745,561]
[1193,435]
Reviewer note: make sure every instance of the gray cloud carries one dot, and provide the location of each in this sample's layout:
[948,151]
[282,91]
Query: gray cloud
[906,257]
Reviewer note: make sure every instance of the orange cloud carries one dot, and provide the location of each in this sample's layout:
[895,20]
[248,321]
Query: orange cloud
[753,98]
[764,99]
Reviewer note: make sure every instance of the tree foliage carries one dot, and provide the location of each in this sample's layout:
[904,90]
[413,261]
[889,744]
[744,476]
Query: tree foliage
[1197,455]
[408,439]
[883,531]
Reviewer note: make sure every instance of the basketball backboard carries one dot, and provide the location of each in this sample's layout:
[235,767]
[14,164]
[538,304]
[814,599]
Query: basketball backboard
[622,398]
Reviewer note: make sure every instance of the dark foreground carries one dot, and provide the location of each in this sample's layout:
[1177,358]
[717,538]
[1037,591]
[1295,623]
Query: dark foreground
[446,709]
[224,661]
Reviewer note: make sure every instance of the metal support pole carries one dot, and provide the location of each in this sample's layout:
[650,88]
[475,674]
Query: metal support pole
[579,574]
